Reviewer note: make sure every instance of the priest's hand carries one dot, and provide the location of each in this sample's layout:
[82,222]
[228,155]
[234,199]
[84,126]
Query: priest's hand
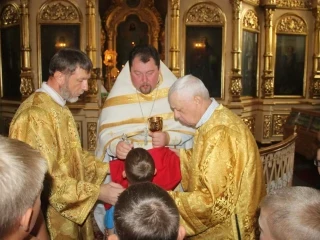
[176,151]
[109,192]
[122,149]
[159,139]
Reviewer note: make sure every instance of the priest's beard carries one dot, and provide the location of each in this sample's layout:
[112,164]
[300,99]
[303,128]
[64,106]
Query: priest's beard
[66,93]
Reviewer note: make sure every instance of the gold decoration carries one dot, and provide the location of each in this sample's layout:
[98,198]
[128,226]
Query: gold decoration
[26,85]
[175,38]
[250,122]
[278,122]
[315,88]
[267,85]
[294,3]
[250,20]
[205,13]
[266,126]
[10,15]
[236,86]
[292,24]
[92,135]
[146,12]
[91,32]
[62,10]
[92,93]
[253,2]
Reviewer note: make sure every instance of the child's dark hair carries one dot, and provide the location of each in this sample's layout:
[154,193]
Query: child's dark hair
[139,166]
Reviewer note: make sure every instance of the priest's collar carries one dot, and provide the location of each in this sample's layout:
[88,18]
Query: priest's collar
[52,93]
[205,117]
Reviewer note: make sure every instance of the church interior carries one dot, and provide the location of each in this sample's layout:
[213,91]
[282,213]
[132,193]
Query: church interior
[259,58]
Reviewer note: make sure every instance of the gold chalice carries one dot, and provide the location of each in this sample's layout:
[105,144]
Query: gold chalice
[155,124]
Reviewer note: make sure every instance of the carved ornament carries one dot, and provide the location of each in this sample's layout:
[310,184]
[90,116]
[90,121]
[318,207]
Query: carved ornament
[253,2]
[10,15]
[266,126]
[291,24]
[315,90]
[278,122]
[26,85]
[250,122]
[175,4]
[205,13]
[294,3]
[267,86]
[92,135]
[250,20]
[236,86]
[59,11]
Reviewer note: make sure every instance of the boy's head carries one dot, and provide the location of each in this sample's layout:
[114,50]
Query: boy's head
[22,171]
[291,213]
[145,211]
[139,166]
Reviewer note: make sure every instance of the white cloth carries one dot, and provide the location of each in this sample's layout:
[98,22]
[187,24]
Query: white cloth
[126,113]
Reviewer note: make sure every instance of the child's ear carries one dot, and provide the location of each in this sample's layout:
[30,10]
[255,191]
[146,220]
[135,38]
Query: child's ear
[26,219]
[181,233]
[124,175]
[155,171]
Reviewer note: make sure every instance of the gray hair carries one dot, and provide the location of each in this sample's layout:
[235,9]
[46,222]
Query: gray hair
[293,213]
[22,171]
[189,86]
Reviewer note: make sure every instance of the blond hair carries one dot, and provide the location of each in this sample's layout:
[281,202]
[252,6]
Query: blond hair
[22,171]
[293,213]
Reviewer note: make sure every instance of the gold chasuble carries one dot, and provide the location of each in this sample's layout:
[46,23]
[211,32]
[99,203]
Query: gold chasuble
[74,176]
[222,179]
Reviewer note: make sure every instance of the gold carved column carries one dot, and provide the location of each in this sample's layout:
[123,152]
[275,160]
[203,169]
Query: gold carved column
[315,86]
[92,52]
[268,73]
[236,78]
[26,85]
[175,37]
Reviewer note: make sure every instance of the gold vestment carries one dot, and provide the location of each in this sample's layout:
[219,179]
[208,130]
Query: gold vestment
[223,180]
[74,176]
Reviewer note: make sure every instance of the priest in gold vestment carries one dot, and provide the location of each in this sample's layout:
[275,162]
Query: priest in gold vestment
[222,174]
[75,177]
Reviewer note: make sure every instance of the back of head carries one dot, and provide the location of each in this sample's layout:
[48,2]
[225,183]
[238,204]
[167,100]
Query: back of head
[67,60]
[293,213]
[22,171]
[189,86]
[139,166]
[145,211]
[145,53]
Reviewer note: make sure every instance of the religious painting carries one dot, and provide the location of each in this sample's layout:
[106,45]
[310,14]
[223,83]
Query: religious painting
[54,37]
[204,56]
[131,32]
[290,64]
[11,68]
[249,63]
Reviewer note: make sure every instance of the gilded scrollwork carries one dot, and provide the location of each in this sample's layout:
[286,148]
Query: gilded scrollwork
[59,10]
[205,13]
[92,135]
[253,2]
[266,126]
[175,4]
[250,20]
[236,8]
[292,24]
[267,85]
[26,85]
[250,122]
[294,4]
[10,15]
[315,88]
[278,122]
[236,86]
